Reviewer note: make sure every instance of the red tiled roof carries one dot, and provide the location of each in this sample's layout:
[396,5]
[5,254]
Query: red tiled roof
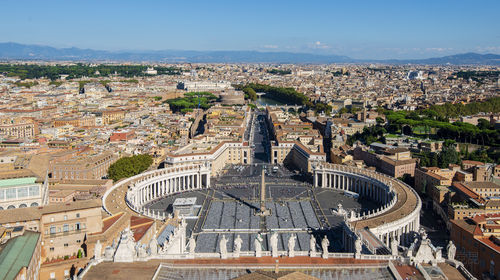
[140,230]
[135,221]
[489,242]
[473,162]
[465,190]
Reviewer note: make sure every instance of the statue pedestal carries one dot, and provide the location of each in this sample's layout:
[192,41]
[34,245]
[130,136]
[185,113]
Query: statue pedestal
[264,213]
[324,255]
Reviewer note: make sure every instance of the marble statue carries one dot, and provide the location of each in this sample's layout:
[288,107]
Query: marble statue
[258,246]
[141,251]
[125,250]
[291,245]
[97,250]
[153,247]
[274,245]
[223,247]
[324,245]
[394,247]
[425,253]
[423,234]
[237,246]
[108,252]
[192,245]
[312,246]
[340,209]
[358,246]
[451,250]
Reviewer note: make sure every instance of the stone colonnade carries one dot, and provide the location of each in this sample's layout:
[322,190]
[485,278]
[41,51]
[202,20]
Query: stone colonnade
[167,181]
[378,187]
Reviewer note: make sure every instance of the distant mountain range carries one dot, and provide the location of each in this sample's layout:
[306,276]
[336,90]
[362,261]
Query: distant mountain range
[15,51]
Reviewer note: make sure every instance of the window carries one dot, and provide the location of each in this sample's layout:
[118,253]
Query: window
[10,193]
[65,227]
[65,217]
[52,219]
[66,273]
[78,241]
[52,274]
[65,244]
[77,226]
[34,191]
[22,192]
[52,249]
[52,230]
[78,215]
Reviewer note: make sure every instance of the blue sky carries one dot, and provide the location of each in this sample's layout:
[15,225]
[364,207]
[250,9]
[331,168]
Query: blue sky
[359,29]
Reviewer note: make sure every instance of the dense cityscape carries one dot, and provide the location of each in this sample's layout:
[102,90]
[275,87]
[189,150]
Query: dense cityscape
[395,167]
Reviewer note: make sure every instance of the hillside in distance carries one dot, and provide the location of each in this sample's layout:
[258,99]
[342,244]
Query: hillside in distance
[15,51]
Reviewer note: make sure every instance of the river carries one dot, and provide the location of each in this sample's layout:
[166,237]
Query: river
[264,101]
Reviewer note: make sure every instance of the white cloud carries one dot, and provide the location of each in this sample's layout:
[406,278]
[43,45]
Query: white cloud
[318,45]
[270,46]
[490,49]
[438,49]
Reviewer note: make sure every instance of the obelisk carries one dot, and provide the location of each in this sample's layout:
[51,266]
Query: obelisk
[263,210]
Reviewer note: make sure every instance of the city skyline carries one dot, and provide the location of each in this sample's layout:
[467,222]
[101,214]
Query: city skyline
[361,30]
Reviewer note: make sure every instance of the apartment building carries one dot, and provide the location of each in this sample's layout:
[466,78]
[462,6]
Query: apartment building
[82,166]
[428,177]
[387,159]
[62,226]
[18,128]
[22,188]
[478,244]
[20,256]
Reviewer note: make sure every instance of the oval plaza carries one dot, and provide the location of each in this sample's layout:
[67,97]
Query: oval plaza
[343,204]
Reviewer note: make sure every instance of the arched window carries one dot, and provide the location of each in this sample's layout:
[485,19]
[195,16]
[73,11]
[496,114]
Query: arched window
[11,207]
[23,206]
[34,204]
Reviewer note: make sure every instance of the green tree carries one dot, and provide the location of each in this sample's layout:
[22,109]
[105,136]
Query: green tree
[434,160]
[483,124]
[343,110]
[129,166]
[448,155]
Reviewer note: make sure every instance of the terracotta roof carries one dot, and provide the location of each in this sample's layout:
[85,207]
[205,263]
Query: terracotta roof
[483,185]
[282,275]
[140,225]
[109,221]
[489,242]
[467,225]
[472,162]
[468,192]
